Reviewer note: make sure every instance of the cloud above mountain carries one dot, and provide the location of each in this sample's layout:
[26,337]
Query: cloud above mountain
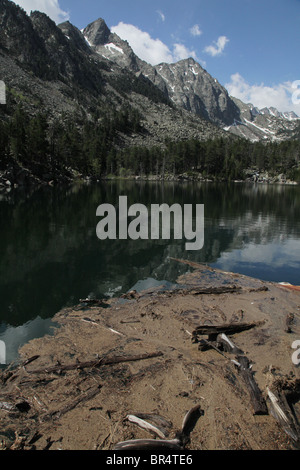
[50,7]
[153,51]
[161,15]
[217,47]
[280,96]
[195,30]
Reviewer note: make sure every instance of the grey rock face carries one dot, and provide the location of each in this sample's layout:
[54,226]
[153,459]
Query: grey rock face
[97,33]
[192,88]
[75,36]
[110,46]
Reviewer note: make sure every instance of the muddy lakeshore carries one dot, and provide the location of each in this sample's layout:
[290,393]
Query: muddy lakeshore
[151,354]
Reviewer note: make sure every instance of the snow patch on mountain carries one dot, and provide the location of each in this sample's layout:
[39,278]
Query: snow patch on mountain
[112,47]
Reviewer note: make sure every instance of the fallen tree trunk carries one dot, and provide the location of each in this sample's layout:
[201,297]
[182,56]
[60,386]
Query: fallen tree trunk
[98,363]
[230,328]
[257,399]
[81,399]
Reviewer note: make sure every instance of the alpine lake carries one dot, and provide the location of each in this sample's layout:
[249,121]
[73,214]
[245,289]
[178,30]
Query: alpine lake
[50,255]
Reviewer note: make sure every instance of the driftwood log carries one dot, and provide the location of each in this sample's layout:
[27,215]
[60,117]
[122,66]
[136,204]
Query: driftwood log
[70,406]
[163,424]
[227,345]
[178,443]
[97,363]
[228,329]
[213,290]
[256,397]
[282,393]
[218,340]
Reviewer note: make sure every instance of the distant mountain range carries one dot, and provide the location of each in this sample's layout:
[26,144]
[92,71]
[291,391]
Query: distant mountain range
[192,88]
[67,72]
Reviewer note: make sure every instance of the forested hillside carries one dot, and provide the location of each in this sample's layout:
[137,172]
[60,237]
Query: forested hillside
[92,149]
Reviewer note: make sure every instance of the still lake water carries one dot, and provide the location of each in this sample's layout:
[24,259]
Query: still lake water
[50,256]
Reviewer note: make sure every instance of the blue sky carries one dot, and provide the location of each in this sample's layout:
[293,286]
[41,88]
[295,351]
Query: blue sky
[250,46]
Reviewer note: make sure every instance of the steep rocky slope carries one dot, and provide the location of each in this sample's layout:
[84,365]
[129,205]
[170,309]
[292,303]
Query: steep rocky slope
[186,83]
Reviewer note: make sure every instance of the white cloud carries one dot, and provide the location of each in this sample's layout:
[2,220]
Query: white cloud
[217,47]
[50,7]
[161,15]
[279,96]
[153,51]
[180,52]
[195,30]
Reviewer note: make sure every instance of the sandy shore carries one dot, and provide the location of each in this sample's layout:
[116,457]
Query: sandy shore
[139,354]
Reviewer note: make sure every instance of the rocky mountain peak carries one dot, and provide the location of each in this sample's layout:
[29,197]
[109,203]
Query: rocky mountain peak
[193,88]
[290,115]
[75,36]
[97,32]
[110,46]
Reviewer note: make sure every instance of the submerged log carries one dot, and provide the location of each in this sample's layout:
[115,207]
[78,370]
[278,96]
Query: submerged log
[257,399]
[97,363]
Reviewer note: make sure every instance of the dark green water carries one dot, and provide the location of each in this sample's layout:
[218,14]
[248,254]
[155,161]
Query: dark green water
[50,256]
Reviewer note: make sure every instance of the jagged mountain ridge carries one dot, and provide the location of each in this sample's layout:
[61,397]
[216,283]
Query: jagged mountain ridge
[186,83]
[53,69]
[63,69]
[192,88]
